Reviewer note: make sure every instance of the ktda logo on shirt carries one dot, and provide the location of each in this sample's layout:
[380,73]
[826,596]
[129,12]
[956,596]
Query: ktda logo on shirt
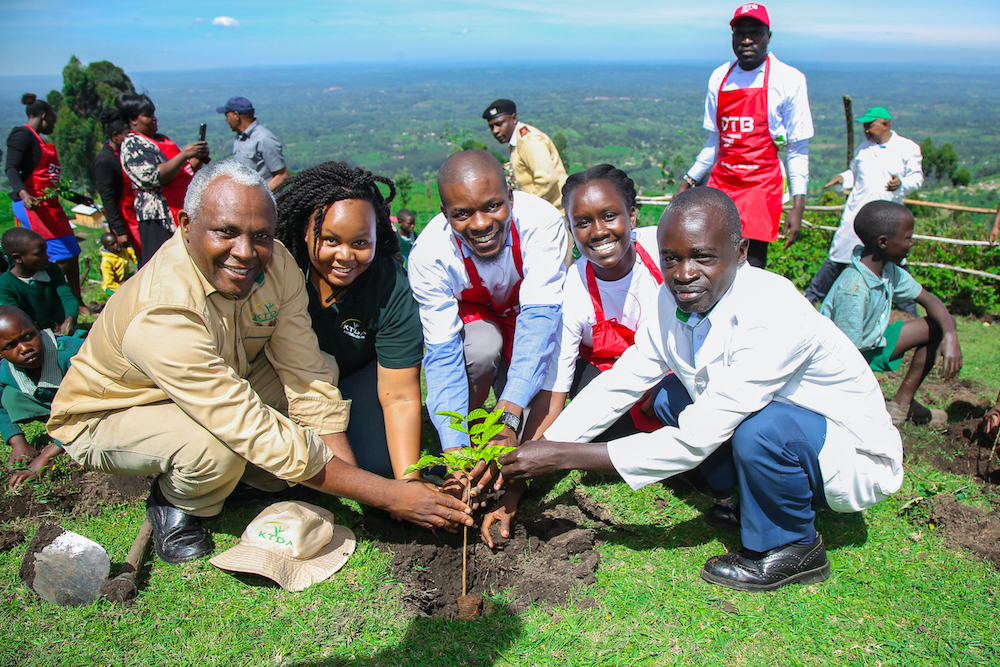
[265,312]
[353,329]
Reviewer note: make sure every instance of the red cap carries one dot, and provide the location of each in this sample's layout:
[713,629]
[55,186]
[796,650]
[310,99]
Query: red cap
[754,11]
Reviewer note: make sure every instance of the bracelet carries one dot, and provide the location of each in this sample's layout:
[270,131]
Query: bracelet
[690,181]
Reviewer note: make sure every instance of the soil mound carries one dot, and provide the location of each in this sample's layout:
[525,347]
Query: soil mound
[965,527]
[85,493]
[549,554]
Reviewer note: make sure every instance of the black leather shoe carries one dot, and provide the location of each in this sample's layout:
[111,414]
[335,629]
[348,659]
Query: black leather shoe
[724,515]
[778,567]
[177,537]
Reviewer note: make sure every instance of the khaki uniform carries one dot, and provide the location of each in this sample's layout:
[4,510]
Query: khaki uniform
[180,380]
[538,169]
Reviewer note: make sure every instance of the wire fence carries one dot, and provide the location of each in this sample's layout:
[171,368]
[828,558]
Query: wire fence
[663,200]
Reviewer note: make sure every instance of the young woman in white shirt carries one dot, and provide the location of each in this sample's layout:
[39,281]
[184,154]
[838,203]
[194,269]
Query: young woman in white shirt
[607,294]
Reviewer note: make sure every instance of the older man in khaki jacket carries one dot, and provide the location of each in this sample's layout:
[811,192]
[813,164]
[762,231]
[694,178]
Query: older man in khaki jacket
[204,370]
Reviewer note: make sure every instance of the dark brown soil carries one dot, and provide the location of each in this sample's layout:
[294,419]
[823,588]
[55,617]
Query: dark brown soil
[965,527]
[964,451]
[83,494]
[550,553]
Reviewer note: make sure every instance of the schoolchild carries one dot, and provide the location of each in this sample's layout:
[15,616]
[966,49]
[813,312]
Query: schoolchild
[32,364]
[117,262]
[36,285]
[860,301]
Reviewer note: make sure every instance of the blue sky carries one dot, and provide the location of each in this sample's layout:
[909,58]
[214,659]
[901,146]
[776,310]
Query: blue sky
[39,36]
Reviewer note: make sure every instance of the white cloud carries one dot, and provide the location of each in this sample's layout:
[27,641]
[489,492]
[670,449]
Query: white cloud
[199,20]
[226,22]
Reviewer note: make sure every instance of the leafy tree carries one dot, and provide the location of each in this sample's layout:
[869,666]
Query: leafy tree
[938,162]
[559,139]
[961,177]
[469,144]
[404,184]
[78,133]
[947,161]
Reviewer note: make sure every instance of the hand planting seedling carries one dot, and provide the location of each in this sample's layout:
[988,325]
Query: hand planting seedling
[481,427]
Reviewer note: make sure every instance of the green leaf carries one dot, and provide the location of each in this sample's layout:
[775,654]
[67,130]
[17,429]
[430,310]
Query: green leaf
[456,418]
[491,433]
[494,452]
[426,461]
[478,414]
[492,418]
[458,427]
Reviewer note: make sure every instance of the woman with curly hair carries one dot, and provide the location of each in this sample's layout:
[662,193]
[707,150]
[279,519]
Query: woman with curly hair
[335,222]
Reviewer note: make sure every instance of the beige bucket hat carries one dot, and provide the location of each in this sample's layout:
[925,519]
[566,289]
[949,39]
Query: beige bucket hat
[292,543]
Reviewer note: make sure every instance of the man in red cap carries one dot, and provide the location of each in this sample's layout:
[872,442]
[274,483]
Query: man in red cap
[755,106]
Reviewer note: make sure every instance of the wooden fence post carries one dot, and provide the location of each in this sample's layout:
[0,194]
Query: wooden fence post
[849,115]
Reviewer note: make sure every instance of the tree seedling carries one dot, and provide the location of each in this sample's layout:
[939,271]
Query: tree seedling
[481,427]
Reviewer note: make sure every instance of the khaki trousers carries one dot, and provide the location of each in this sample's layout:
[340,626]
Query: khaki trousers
[197,470]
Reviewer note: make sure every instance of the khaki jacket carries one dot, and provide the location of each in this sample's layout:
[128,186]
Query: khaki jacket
[538,169]
[168,335]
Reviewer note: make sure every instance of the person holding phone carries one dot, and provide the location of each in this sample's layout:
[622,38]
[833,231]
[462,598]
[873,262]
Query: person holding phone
[159,169]
[254,145]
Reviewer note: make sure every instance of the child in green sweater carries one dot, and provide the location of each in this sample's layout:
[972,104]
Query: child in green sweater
[32,365]
[35,285]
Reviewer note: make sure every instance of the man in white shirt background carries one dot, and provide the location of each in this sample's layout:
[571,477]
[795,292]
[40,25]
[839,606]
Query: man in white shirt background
[755,106]
[886,166]
[768,397]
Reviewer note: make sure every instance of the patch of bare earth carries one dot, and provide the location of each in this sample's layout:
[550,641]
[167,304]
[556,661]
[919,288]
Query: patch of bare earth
[85,493]
[549,554]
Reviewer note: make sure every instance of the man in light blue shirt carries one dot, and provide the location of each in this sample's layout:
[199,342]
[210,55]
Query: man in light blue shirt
[487,274]
[255,145]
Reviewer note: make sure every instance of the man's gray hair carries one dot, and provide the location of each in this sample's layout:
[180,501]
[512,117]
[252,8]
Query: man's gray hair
[238,172]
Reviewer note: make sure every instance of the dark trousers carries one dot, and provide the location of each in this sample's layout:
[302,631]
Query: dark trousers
[823,280]
[773,457]
[366,427]
[757,254]
[151,236]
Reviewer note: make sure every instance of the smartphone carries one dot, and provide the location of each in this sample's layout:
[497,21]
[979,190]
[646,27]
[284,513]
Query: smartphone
[201,131]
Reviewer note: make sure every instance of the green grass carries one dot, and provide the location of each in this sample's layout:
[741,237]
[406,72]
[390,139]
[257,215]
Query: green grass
[897,595]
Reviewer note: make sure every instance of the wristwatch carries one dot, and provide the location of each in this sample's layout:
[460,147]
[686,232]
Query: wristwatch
[509,419]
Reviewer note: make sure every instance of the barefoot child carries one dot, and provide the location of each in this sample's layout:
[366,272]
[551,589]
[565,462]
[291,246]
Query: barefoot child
[32,364]
[860,300]
[117,263]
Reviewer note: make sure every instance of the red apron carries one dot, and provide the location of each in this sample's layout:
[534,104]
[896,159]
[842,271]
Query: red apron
[48,218]
[748,169]
[476,303]
[611,338]
[126,207]
[175,190]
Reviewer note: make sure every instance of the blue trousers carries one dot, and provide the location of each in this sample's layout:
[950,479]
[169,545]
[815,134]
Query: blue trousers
[773,457]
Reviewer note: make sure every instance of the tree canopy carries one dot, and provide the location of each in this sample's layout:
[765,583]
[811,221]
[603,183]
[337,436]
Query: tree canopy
[78,133]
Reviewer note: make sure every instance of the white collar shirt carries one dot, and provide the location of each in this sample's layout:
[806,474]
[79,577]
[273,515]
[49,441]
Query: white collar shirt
[766,343]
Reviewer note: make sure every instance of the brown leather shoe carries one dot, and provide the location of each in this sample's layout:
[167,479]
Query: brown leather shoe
[789,564]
